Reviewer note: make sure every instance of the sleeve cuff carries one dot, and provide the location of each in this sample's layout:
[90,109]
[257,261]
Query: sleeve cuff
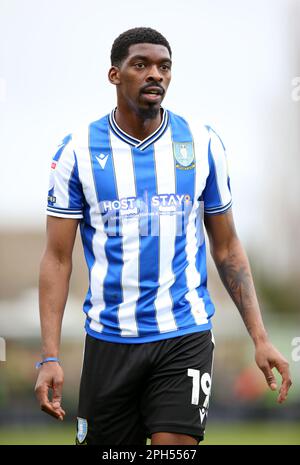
[218,210]
[64,212]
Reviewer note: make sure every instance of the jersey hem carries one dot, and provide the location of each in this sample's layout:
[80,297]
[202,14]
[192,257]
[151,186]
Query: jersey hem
[152,338]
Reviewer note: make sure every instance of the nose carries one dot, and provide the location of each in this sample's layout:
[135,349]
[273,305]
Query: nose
[154,74]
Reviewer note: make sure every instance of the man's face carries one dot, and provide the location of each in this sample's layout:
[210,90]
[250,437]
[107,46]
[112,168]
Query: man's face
[143,78]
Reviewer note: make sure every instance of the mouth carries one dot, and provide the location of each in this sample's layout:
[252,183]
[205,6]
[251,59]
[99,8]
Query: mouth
[153,93]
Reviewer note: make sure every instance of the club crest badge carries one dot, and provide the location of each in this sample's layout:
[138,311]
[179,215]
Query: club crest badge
[184,155]
[82,429]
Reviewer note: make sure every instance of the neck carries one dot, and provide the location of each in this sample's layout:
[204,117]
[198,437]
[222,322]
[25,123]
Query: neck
[137,125]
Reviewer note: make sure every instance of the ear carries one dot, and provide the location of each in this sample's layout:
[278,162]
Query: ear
[114,75]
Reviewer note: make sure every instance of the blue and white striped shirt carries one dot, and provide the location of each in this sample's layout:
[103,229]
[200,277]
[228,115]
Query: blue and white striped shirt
[141,206]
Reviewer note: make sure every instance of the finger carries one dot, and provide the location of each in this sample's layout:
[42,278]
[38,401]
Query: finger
[283,393]
[50,410]
[59,414]
[270,378]
[286,382]
[41,392]
[57,394]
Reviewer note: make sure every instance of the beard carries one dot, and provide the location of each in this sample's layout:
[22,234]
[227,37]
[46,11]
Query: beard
[149,113]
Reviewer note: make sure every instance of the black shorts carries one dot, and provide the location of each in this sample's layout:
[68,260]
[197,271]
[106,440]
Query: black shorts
[129,391]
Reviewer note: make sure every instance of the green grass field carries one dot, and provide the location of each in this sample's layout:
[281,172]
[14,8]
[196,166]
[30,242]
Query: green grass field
[225,433]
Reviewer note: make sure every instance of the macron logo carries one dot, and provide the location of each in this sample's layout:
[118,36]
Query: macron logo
[102,159]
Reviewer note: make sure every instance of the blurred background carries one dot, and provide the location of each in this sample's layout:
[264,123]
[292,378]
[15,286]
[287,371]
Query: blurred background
[237,67]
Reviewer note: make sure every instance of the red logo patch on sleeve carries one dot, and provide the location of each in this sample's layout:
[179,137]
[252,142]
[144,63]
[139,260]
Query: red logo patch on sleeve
[53,165]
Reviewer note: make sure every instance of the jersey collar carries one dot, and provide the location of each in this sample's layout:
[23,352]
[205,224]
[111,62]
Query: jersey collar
[139,144]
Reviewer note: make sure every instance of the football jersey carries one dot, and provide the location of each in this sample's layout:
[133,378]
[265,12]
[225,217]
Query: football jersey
[141,205]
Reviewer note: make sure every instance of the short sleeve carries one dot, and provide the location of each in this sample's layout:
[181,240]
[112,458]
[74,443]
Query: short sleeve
[217,193]
[65,196]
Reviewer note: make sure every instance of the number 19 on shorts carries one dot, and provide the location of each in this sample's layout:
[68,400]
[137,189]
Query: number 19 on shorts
[202,382]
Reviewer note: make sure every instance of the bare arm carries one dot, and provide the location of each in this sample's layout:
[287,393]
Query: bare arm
[234,270]
[55,272]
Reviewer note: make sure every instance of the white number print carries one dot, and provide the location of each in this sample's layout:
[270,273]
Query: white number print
[195,374]
[205,382]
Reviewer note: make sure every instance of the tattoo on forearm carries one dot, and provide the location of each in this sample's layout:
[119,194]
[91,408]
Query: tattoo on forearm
[237,279]
[235,272]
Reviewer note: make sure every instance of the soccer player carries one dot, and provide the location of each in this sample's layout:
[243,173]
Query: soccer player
[142,182]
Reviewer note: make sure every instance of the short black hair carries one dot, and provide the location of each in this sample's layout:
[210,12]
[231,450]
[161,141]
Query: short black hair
[137,35]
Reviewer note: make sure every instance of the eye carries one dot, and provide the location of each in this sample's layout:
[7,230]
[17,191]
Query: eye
[140,65]
[165,67]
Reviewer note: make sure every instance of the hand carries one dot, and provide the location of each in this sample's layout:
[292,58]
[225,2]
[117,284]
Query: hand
[268,357]
[50,376]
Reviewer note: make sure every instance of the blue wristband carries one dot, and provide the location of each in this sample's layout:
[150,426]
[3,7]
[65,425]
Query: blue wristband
[48,359]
